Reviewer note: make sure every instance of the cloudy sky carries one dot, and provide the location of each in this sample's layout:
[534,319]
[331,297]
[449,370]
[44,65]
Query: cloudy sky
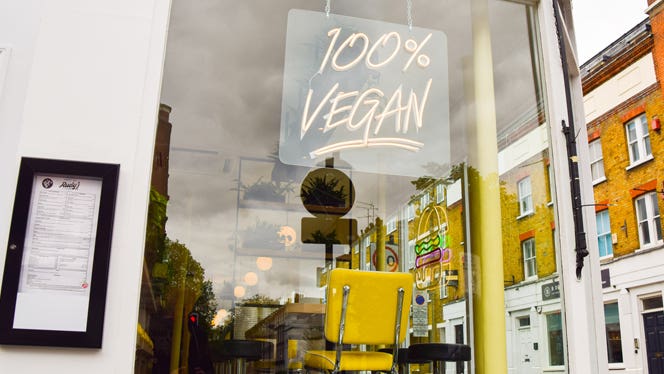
[599,23]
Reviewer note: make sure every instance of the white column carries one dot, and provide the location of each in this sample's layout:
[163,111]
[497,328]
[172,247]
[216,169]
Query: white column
[583,311]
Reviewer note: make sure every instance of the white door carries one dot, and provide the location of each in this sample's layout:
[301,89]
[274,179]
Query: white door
[526,359]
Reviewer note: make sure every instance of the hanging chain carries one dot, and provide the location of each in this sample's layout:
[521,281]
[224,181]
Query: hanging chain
[327,8]
[409,10]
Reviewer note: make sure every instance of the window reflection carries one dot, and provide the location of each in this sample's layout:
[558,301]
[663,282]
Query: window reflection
[246,240]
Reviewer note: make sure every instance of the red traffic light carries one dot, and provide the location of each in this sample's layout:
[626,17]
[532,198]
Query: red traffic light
[193,318]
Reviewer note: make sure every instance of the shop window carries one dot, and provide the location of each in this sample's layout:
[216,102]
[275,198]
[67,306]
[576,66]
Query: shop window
[596,161]
[554,334]
[604,233]
[440,193]
[647,216]
[638,140]
[525,197]
[529,260]
[213,222]
[613,340]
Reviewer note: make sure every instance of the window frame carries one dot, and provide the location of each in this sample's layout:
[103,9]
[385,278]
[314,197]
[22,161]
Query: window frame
[391,225]
[606,332]
[547,339]
[440,193]
[524,196]
[652,219]
[596,159]
[529,244]
[641,140]
[410,212]
[604,234]
[425,199]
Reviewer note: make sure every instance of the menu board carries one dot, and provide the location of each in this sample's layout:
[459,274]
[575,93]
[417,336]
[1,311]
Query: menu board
[58,252]
[56,270]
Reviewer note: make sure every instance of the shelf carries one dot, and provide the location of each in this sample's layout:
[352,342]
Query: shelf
[271,205]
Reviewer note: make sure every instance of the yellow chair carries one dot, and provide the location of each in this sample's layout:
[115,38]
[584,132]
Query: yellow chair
[363,307]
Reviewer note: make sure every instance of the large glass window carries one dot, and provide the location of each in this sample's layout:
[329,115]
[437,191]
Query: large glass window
[596,161]
[604,240]
[649,223]
[613,338]
[264,196]
[638,139]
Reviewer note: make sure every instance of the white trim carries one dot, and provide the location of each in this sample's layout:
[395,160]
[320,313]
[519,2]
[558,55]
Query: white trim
[599,180]
[584,324]
[639,139]
[655,8]
[640,162]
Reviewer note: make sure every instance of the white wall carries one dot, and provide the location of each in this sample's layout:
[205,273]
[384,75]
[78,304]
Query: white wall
[83,83]
[582,309]
[632,80]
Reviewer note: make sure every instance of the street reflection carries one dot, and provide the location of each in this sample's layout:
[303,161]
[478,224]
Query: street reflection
[242,242]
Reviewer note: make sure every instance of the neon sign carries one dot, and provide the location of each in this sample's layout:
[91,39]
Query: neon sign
[373,92]
[432,248]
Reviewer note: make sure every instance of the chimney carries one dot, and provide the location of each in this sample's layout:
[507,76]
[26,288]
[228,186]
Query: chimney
[655,11]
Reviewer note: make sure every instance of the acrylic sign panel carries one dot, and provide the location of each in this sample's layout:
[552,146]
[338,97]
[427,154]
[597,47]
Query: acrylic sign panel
[370,93]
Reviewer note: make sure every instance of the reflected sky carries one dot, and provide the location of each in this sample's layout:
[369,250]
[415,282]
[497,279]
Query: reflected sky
[223,79]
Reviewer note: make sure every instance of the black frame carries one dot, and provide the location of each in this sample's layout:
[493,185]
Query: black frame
[92,337]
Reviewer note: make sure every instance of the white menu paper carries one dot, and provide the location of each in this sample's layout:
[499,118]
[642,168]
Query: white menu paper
[58,253]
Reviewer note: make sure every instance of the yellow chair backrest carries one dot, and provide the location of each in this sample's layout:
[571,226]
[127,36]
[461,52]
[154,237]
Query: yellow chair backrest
[372,306]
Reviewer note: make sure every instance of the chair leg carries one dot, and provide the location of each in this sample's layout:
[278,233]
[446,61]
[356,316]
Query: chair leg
[439,367]
[239,366]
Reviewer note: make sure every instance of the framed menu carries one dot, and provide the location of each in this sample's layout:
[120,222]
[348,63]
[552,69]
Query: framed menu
[56,267]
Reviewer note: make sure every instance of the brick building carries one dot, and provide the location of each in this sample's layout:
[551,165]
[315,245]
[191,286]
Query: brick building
[623,102]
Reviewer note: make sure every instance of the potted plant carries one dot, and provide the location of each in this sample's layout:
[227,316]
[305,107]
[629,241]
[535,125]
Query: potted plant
[323,191]
[266,191]
[262,235]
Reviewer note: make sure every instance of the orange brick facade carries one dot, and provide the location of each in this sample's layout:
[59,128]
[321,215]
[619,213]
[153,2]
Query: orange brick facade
[624,183]
[538,225]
